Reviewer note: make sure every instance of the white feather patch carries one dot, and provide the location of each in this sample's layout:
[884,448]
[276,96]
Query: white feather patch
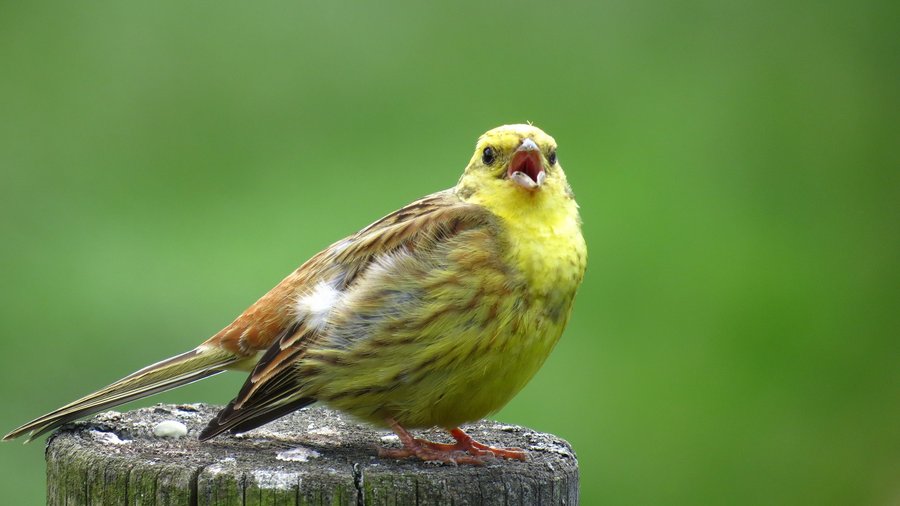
[317,305]
[387,263]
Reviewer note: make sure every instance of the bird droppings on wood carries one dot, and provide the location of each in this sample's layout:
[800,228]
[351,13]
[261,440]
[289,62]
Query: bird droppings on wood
[299,454]
[107,438]
[314,456]
[170,428]
[390,438]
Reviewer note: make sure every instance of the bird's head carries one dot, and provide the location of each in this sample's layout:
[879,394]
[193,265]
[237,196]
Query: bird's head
[515,164]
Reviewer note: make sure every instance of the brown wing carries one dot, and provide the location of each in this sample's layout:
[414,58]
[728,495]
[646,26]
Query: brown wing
[271,317]
[272,390]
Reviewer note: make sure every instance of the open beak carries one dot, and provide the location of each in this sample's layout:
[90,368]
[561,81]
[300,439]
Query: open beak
[526,167]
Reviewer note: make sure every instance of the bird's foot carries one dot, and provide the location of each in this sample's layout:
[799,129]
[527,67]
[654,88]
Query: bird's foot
[465,451]
[473,447]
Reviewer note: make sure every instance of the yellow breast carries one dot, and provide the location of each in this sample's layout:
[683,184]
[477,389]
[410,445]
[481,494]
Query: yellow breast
[481,327]
[543,230]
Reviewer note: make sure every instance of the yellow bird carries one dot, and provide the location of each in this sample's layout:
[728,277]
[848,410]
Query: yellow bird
[433,316]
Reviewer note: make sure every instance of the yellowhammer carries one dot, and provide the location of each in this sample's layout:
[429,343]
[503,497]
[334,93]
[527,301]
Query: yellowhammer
[435,315]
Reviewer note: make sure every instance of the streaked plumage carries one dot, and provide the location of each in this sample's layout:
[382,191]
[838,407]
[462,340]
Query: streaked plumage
[435,315]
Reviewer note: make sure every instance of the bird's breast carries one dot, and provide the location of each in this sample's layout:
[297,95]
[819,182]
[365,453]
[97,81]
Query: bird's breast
[549,255]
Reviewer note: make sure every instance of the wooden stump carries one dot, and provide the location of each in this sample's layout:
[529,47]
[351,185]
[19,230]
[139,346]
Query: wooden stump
[314,456]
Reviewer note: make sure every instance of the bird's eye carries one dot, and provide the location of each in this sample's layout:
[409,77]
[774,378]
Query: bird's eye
[552,157]
[487,156]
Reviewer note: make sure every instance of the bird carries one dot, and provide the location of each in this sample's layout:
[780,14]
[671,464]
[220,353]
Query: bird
[435,315]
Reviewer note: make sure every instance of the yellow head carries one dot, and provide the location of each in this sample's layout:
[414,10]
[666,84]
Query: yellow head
[514,168]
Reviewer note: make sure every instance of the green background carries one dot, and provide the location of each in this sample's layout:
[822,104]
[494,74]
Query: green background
[163,164]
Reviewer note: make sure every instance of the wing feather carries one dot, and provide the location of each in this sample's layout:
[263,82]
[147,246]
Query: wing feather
[276,382]
[266,321]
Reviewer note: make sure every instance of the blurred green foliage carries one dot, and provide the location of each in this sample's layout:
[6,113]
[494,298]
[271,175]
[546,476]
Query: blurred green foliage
[162,164]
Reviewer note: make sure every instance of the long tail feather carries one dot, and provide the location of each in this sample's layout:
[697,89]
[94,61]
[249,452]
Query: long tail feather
[238,421]
[173,372]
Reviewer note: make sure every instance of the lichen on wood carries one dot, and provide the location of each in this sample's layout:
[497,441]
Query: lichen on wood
[312,457]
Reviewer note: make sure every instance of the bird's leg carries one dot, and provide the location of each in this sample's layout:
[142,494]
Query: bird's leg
[465,451]
[465,442]
[425,450]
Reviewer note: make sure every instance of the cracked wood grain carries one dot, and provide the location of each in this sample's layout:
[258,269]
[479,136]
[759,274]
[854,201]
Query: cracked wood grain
[312,457]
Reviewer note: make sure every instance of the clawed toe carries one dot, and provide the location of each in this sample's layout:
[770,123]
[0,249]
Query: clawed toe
[427,451]
[465,451]
[506,453]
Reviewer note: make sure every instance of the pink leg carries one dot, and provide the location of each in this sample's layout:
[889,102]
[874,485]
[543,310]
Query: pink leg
[465,451]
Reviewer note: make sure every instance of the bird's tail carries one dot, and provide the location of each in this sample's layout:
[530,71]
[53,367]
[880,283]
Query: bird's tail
[173,372]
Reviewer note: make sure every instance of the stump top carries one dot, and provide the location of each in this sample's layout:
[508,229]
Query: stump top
[314,453]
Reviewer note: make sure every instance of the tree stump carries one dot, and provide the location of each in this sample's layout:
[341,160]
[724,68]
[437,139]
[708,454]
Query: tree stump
[312,457]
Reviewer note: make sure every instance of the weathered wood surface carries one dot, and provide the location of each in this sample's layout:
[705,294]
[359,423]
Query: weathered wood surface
[314,456]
